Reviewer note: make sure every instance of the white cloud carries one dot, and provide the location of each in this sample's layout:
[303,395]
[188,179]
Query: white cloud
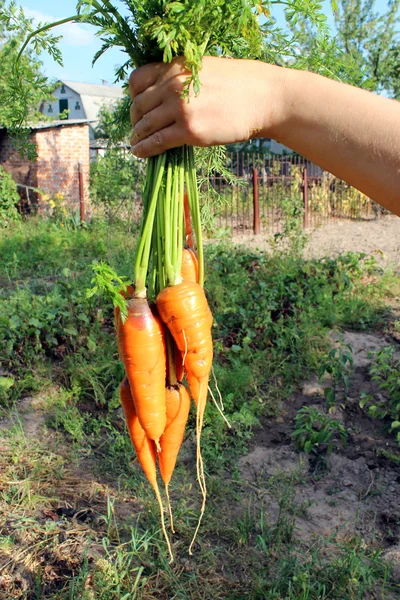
[73,33]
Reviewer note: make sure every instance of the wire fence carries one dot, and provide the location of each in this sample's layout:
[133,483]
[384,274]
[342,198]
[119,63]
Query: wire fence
[266,190]
[271,187]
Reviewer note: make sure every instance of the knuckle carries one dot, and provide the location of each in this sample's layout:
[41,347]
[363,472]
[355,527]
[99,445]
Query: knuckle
[133,84]
[191,126]
[137,108]
[143,126]
[158,139]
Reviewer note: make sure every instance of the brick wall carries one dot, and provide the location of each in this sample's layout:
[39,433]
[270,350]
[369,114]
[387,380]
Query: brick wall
[59,151]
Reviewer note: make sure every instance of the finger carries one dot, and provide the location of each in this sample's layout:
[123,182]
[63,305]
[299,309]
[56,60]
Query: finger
[155,120]
[161,141]
[143,77]
[145,102]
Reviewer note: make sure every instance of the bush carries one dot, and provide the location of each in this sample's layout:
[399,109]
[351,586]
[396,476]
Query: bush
[116,182]
[9,199]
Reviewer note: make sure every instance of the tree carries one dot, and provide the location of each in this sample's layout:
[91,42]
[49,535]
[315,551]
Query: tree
[112,126]
[368,44]
[20,96]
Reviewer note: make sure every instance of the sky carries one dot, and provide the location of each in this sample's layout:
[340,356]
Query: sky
[79,43]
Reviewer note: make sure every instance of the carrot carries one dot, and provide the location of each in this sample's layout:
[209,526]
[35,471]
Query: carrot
[184,310]
[144,447]
[190,265]
[178,406]
[142,350]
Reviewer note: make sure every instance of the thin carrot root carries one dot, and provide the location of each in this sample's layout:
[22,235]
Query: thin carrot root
[219,409]
[199,462]
[218,390]
[171,518]
[164,529]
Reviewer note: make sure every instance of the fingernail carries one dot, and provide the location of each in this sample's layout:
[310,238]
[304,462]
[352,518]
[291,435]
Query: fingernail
[134,150]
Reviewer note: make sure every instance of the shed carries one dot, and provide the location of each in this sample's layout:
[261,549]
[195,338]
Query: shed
[62,152]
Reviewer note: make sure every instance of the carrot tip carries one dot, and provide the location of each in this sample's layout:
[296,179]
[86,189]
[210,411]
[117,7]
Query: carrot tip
[157,443]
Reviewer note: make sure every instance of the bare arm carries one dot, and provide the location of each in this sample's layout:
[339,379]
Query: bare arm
[350,132]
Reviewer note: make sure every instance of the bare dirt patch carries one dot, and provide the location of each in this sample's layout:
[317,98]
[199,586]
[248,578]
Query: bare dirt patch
[357,490]
[381,238]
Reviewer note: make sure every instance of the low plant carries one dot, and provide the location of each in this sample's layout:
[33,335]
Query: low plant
[338,363]
[317,432]
[385,404]
[9,199]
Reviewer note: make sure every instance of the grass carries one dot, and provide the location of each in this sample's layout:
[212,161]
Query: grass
[77,518]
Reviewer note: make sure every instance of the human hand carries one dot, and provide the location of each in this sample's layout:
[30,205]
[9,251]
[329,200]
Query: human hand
[237,101]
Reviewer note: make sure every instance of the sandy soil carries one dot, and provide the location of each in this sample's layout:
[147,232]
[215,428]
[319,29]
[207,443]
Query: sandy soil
[380,237]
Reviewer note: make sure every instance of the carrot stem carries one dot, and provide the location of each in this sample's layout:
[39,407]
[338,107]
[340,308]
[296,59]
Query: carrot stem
[181,211]
[195,209]
[143,252]
[168,264]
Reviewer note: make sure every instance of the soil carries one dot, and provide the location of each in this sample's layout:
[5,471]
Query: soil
[354,489]
[380,237]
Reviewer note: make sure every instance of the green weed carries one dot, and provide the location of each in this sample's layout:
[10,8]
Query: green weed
[385,373]
[317,432]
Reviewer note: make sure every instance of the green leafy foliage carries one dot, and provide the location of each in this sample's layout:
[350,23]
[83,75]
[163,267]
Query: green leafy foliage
[338,365]
[367,47]
[385,372]
[22,84]
[115,181]
[110,285]
[9,199]
[317,432]
[49,320]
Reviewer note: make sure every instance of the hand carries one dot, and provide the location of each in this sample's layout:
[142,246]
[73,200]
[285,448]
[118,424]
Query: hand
[234,104]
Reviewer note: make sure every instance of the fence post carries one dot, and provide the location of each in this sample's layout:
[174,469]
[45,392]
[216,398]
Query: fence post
[81,194]
[305,197]
[256,203]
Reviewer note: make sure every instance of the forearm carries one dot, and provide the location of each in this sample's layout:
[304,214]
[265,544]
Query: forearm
[350,132]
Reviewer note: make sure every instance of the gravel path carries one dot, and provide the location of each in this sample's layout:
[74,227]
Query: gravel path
[381,237]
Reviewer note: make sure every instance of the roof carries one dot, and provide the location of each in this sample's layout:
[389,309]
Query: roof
[58,123]
[53,124]
[95,96]
[94,89]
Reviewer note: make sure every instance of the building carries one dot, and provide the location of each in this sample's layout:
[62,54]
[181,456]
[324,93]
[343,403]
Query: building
[81,100]
[62,165]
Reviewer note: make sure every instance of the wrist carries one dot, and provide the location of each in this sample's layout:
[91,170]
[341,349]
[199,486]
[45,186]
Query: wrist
[277,99]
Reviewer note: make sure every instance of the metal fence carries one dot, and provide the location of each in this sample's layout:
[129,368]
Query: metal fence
[266,190]
[269,188]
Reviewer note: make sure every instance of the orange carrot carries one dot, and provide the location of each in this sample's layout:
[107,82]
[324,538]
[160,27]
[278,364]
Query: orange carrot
[178,406]
[142,349]
[144,447]
[184,310]
[190,265]
[130,290]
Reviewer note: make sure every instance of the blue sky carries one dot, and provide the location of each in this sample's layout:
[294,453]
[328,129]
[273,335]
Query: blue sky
[79,43]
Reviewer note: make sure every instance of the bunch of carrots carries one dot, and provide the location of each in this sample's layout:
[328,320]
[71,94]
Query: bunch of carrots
[166,334]
[163,322]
